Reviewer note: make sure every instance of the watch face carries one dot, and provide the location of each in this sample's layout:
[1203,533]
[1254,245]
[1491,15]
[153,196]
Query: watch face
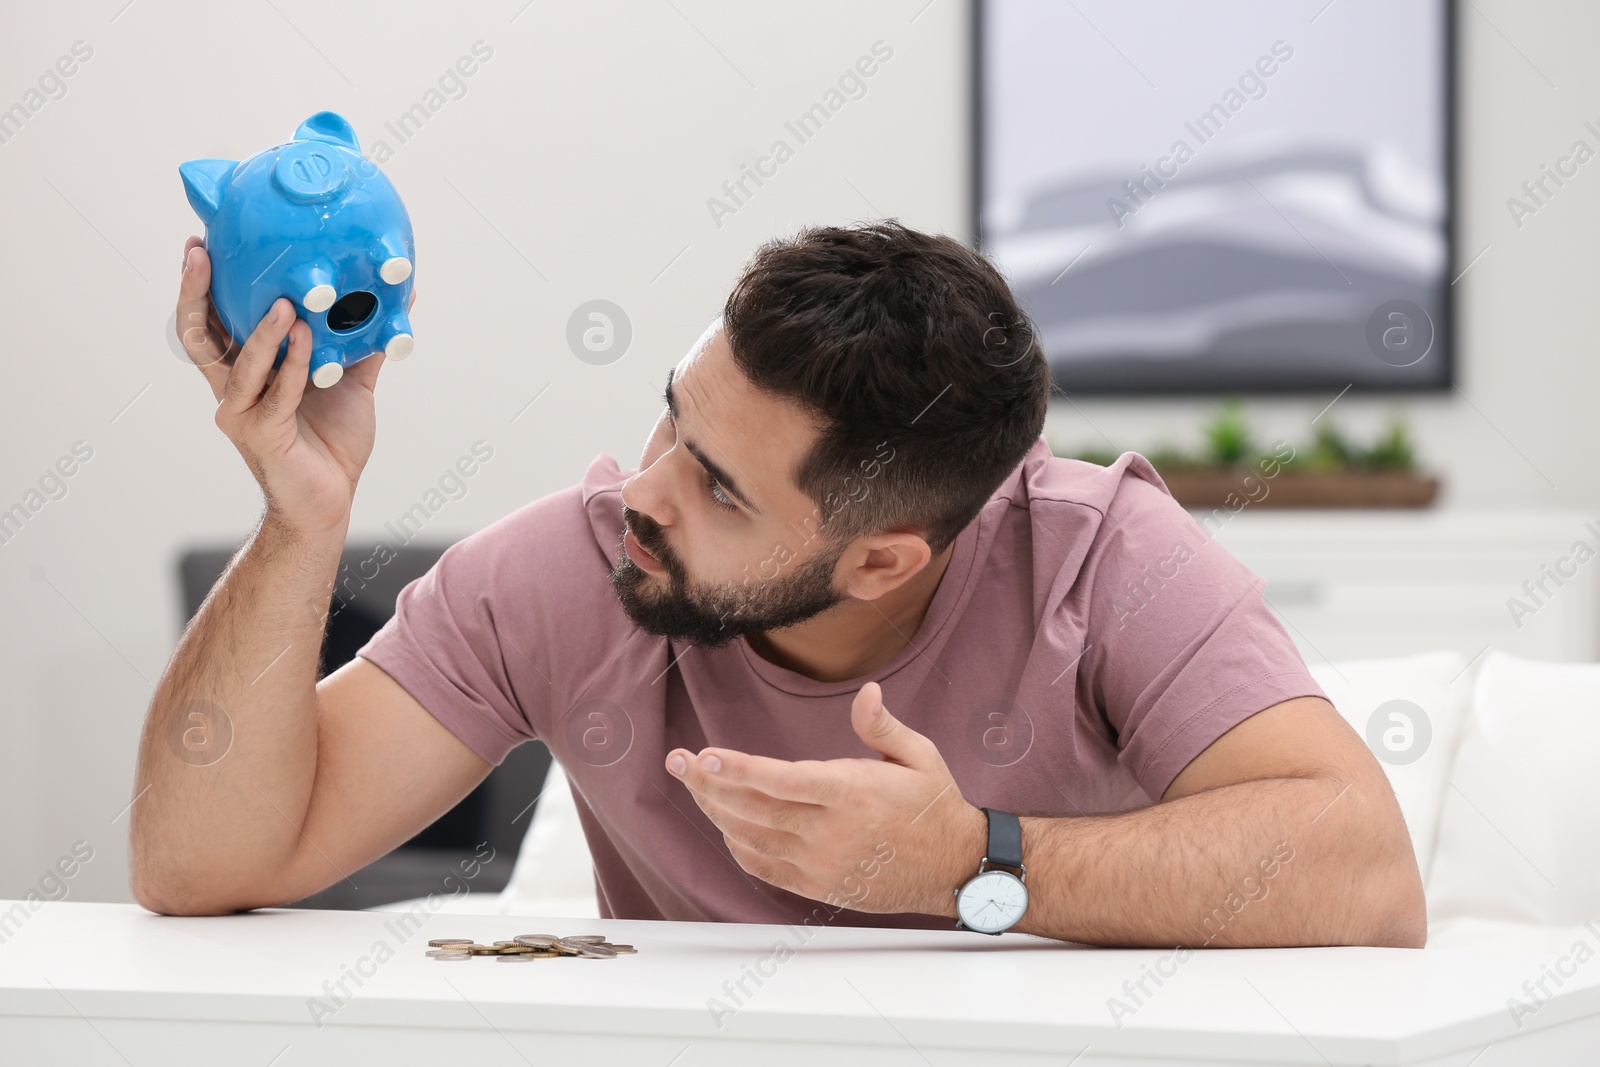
[992,901]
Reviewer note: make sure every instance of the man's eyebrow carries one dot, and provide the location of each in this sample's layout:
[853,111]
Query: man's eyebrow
[716,472]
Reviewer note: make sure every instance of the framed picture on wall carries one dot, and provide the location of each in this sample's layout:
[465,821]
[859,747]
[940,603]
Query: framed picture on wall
[1241,196]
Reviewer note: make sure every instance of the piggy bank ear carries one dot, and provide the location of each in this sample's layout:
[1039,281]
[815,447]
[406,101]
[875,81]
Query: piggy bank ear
[328,126]
[203,181]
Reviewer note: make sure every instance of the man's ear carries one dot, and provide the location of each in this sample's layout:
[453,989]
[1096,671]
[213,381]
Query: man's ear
[880,563]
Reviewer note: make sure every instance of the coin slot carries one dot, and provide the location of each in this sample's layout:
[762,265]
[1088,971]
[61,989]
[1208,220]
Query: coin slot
[351,310]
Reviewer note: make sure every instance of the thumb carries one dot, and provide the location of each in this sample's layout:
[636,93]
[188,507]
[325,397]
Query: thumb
[887,735]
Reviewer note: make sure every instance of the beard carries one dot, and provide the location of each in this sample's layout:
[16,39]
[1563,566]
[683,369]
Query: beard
[711,615]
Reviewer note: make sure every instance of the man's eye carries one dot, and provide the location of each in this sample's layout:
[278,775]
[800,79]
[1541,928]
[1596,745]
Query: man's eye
[718,497]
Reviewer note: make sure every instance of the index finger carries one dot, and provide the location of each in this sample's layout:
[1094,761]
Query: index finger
[800,781]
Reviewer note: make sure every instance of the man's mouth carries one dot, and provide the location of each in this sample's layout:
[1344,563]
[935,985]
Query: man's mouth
[637,553]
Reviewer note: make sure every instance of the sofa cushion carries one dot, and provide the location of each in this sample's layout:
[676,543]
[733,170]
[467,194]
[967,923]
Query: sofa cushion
[554,874]
[1409,710]
[1521,811]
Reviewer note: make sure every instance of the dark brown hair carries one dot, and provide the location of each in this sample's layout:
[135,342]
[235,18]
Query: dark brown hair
[899,344]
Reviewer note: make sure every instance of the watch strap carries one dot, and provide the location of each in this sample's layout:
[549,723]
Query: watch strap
[1005,838]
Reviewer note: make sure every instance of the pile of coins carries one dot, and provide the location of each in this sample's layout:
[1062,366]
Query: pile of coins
[529,947]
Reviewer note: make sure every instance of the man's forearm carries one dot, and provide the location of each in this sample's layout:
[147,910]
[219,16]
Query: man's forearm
[1280,861]
[228,754]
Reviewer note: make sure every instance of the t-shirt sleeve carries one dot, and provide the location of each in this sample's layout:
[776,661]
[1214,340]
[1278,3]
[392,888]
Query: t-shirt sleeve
[444,647]
[1180,645]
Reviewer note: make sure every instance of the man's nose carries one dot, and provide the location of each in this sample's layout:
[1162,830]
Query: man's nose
[640,495]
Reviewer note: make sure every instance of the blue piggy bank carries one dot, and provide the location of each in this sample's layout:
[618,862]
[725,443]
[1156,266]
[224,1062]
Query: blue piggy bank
[312,220]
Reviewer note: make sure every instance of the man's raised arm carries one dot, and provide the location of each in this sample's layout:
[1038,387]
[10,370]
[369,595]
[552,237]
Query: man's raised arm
[257,785]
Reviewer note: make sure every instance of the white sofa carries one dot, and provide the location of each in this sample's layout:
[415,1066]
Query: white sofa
[1492,763]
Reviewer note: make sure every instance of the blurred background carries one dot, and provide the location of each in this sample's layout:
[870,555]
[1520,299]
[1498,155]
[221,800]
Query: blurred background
[583,160]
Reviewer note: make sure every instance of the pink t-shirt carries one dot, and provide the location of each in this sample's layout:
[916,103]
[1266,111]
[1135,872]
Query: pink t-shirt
[1087,640]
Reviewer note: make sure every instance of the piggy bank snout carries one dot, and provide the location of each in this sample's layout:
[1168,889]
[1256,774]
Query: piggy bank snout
[309,172]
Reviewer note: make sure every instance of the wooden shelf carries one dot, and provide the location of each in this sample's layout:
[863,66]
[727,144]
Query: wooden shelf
[1295,489]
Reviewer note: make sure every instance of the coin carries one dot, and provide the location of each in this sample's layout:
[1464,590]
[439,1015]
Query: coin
[537,940]
[530,947]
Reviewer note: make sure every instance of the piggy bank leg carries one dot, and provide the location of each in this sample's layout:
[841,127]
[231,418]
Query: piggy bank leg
[325,367]
[395,337]
[311,283]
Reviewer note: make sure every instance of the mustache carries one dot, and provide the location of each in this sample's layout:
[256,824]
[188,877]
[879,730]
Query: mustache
[647,533]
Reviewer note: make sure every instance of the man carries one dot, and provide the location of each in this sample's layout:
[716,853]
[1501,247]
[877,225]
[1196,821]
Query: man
[847,631]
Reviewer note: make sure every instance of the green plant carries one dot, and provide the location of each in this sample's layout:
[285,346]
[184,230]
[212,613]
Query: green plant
[1227,436]
[1228,443]
[1393,450]
[1329,450]
[1275,462]
[1167,456]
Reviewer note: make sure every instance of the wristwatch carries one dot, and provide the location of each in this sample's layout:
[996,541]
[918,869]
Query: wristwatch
[992,900]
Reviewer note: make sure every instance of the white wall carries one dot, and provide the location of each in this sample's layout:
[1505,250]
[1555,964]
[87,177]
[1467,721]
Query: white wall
[584,151]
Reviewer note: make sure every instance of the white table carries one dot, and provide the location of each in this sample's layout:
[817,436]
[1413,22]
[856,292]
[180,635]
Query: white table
[88,984]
